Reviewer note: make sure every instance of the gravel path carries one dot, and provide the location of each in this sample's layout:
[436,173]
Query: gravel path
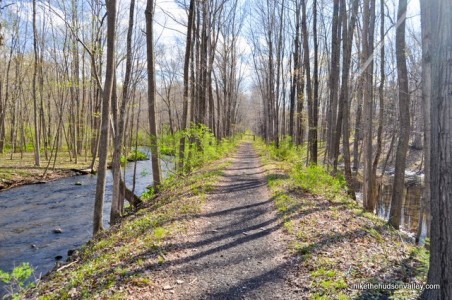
[235,249]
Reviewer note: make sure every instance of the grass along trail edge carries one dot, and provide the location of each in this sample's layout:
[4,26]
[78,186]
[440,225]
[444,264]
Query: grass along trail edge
[336,243]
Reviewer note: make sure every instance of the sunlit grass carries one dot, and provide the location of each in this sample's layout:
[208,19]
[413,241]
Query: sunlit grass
[338,244]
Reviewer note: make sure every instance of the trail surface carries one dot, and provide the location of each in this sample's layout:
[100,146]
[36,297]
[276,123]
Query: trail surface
[235,249]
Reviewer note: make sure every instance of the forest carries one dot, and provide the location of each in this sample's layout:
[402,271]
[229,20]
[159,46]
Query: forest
[341,108]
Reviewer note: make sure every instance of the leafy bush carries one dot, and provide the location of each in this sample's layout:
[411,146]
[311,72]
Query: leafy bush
[137,155]
[201,145]
[169,143]
[17,279]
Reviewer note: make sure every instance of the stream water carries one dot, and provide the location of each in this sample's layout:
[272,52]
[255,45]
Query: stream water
[411,205]
[29,214]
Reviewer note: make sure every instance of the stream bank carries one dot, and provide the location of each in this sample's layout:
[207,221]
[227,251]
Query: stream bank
[42,222]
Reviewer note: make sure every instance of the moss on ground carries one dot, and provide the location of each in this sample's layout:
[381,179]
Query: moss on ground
[336,243]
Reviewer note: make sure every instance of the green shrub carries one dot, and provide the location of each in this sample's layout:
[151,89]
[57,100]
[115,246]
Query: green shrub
[201,145]
[17,279]
[137,155]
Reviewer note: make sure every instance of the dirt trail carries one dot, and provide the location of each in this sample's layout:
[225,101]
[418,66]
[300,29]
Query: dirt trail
[236,250]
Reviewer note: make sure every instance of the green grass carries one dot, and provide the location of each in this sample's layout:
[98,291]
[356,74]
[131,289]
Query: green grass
[125,254]
[337,242]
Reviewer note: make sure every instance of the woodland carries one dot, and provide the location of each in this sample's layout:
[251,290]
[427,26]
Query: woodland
[357,88]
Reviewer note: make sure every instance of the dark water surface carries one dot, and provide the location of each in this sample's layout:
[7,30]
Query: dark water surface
[29,214]
[411,206]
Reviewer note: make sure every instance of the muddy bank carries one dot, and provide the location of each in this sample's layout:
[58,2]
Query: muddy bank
[34,177]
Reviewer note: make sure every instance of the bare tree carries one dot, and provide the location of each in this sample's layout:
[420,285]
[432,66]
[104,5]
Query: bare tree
[105,121]
[367,61]
[188,48]
[151,93]
[398,190]
[35,89]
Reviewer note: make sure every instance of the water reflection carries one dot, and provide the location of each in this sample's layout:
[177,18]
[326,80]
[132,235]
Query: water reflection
[411,209]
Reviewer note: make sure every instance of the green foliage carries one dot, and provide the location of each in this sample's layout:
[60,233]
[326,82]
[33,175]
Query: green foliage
[160,233]
[329,282]
[316,179]
[137,155]
[201,146]
[169,143]
[149,193]
[422,256]
[285,151]
[17,279]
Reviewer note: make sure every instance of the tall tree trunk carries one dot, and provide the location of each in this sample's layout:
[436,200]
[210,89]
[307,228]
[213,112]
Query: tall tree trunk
[151,93]
[436,31]
[347,36]
[426,102]
[117,195]
[398,190]
[34,89]
[105,118]
[188,47]
[307,72]
[369,199]
[295,73]
[313,130]
[333,130]
[381,98]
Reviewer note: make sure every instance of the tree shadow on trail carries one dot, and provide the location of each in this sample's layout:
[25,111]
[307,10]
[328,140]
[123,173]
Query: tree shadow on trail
[249,286]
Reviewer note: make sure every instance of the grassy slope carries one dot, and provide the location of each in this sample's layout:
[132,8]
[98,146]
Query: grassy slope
[120,260]
[336,243]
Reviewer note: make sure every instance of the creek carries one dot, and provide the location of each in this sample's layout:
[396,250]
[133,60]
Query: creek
[411,208]
[29,215]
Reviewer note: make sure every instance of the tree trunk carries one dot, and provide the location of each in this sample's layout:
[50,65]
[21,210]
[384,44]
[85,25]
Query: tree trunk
[295,73]
[333,130]
[105,118]
[118,191]
[404,120]
[34,89]
[151,94]
[347,36]
[436,31]
[313,130]
[188,47]
[369,199]
[307,67]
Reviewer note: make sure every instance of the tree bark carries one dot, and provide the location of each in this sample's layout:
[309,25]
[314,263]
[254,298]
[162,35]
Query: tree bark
[118,191]
[151,93]
[398,190]
[295,73]
[35,89]
[347,35]
[436,16]
[333,130]
[105,121]
[307,68]
[367,65]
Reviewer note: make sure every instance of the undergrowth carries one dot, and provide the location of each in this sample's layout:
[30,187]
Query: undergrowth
[336,242]
[200,143]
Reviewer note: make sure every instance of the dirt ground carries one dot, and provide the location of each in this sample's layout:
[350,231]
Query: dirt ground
[235,249]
